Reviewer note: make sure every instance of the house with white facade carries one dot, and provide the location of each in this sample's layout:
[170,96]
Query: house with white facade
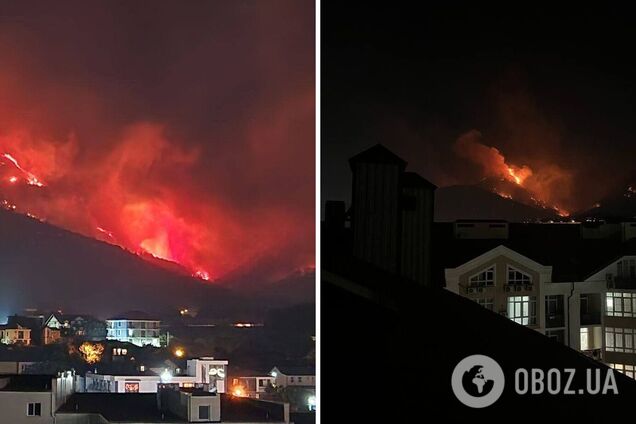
[134,327]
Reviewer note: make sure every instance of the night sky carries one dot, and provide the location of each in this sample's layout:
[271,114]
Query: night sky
[552,88]
[180,129]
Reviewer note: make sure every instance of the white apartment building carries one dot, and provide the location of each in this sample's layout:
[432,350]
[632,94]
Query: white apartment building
[521,289]
[137,328]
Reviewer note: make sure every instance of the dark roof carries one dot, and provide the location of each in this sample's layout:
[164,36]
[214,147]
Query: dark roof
[26,383]
[136,407]
[134,315]
[378,154]
[561,246]
[413,179]
[71,317]
[296,370]
[22,354]
[142,407]
[27,322]
[236,409]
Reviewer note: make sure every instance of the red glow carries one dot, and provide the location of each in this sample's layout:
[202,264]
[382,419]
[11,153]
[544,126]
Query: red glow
[547,185]
[31,179]
[143,195]
[13,179]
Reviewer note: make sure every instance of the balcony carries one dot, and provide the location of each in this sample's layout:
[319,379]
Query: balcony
[554,320]
[516,288]
[591,318]
[474,289]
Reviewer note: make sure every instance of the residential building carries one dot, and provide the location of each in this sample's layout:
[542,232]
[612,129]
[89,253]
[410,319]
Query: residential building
[50,335]
[33,399]
[506,282]
[198,371]
[81,326]
[134,327]
[619,350]
[293,376]
[15,334]
[208,370]
[253,386]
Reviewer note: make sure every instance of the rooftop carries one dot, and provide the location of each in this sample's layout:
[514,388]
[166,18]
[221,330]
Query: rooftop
[26,383]
[142,407]
[134,316]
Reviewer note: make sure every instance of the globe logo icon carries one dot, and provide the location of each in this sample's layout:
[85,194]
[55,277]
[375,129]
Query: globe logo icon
[477,381]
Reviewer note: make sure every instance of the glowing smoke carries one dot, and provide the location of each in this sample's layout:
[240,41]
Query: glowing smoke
[549,184]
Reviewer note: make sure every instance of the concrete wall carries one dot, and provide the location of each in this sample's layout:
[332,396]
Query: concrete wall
[13,407]
[376,218]
[416,235]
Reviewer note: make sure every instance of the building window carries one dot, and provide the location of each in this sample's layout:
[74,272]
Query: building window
[34,409]
[485,278]
[487,303]
[204,412]
[522,309]
[626,268]
[556,335]
[131,387]
[291,379]
[621,304]
[584,336]
[620,339]
[554,313]
[628,370]
[516,277]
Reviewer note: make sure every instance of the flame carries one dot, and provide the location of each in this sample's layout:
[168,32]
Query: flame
[141,192]
[31,179]
[543,184]
[91,352]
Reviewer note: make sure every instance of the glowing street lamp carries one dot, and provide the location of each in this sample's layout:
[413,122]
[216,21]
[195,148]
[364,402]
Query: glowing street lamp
[179,352]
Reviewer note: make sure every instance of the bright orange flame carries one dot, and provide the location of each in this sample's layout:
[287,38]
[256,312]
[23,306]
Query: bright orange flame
[238,391]
[92,352]
[31,179]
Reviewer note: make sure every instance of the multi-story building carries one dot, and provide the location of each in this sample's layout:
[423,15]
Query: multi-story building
[253,386]
[33,399]
[522,289]
[15,334]
[620,314]
[293,376]
[206,370]
[578,286]
[134,327]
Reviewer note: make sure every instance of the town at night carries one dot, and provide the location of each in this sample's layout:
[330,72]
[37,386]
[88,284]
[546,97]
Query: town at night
[157,225]
[478,212]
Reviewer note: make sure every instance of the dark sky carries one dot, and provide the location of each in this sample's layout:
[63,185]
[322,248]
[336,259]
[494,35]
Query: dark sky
[185,129]
[552,88]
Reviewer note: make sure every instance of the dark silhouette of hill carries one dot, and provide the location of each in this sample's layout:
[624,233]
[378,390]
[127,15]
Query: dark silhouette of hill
[49,268]
[476,202]
[619,203]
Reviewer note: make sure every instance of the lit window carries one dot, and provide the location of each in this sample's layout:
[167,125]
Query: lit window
[621,304]
[485,278]
[522,309]
[585,339]
[620,339]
